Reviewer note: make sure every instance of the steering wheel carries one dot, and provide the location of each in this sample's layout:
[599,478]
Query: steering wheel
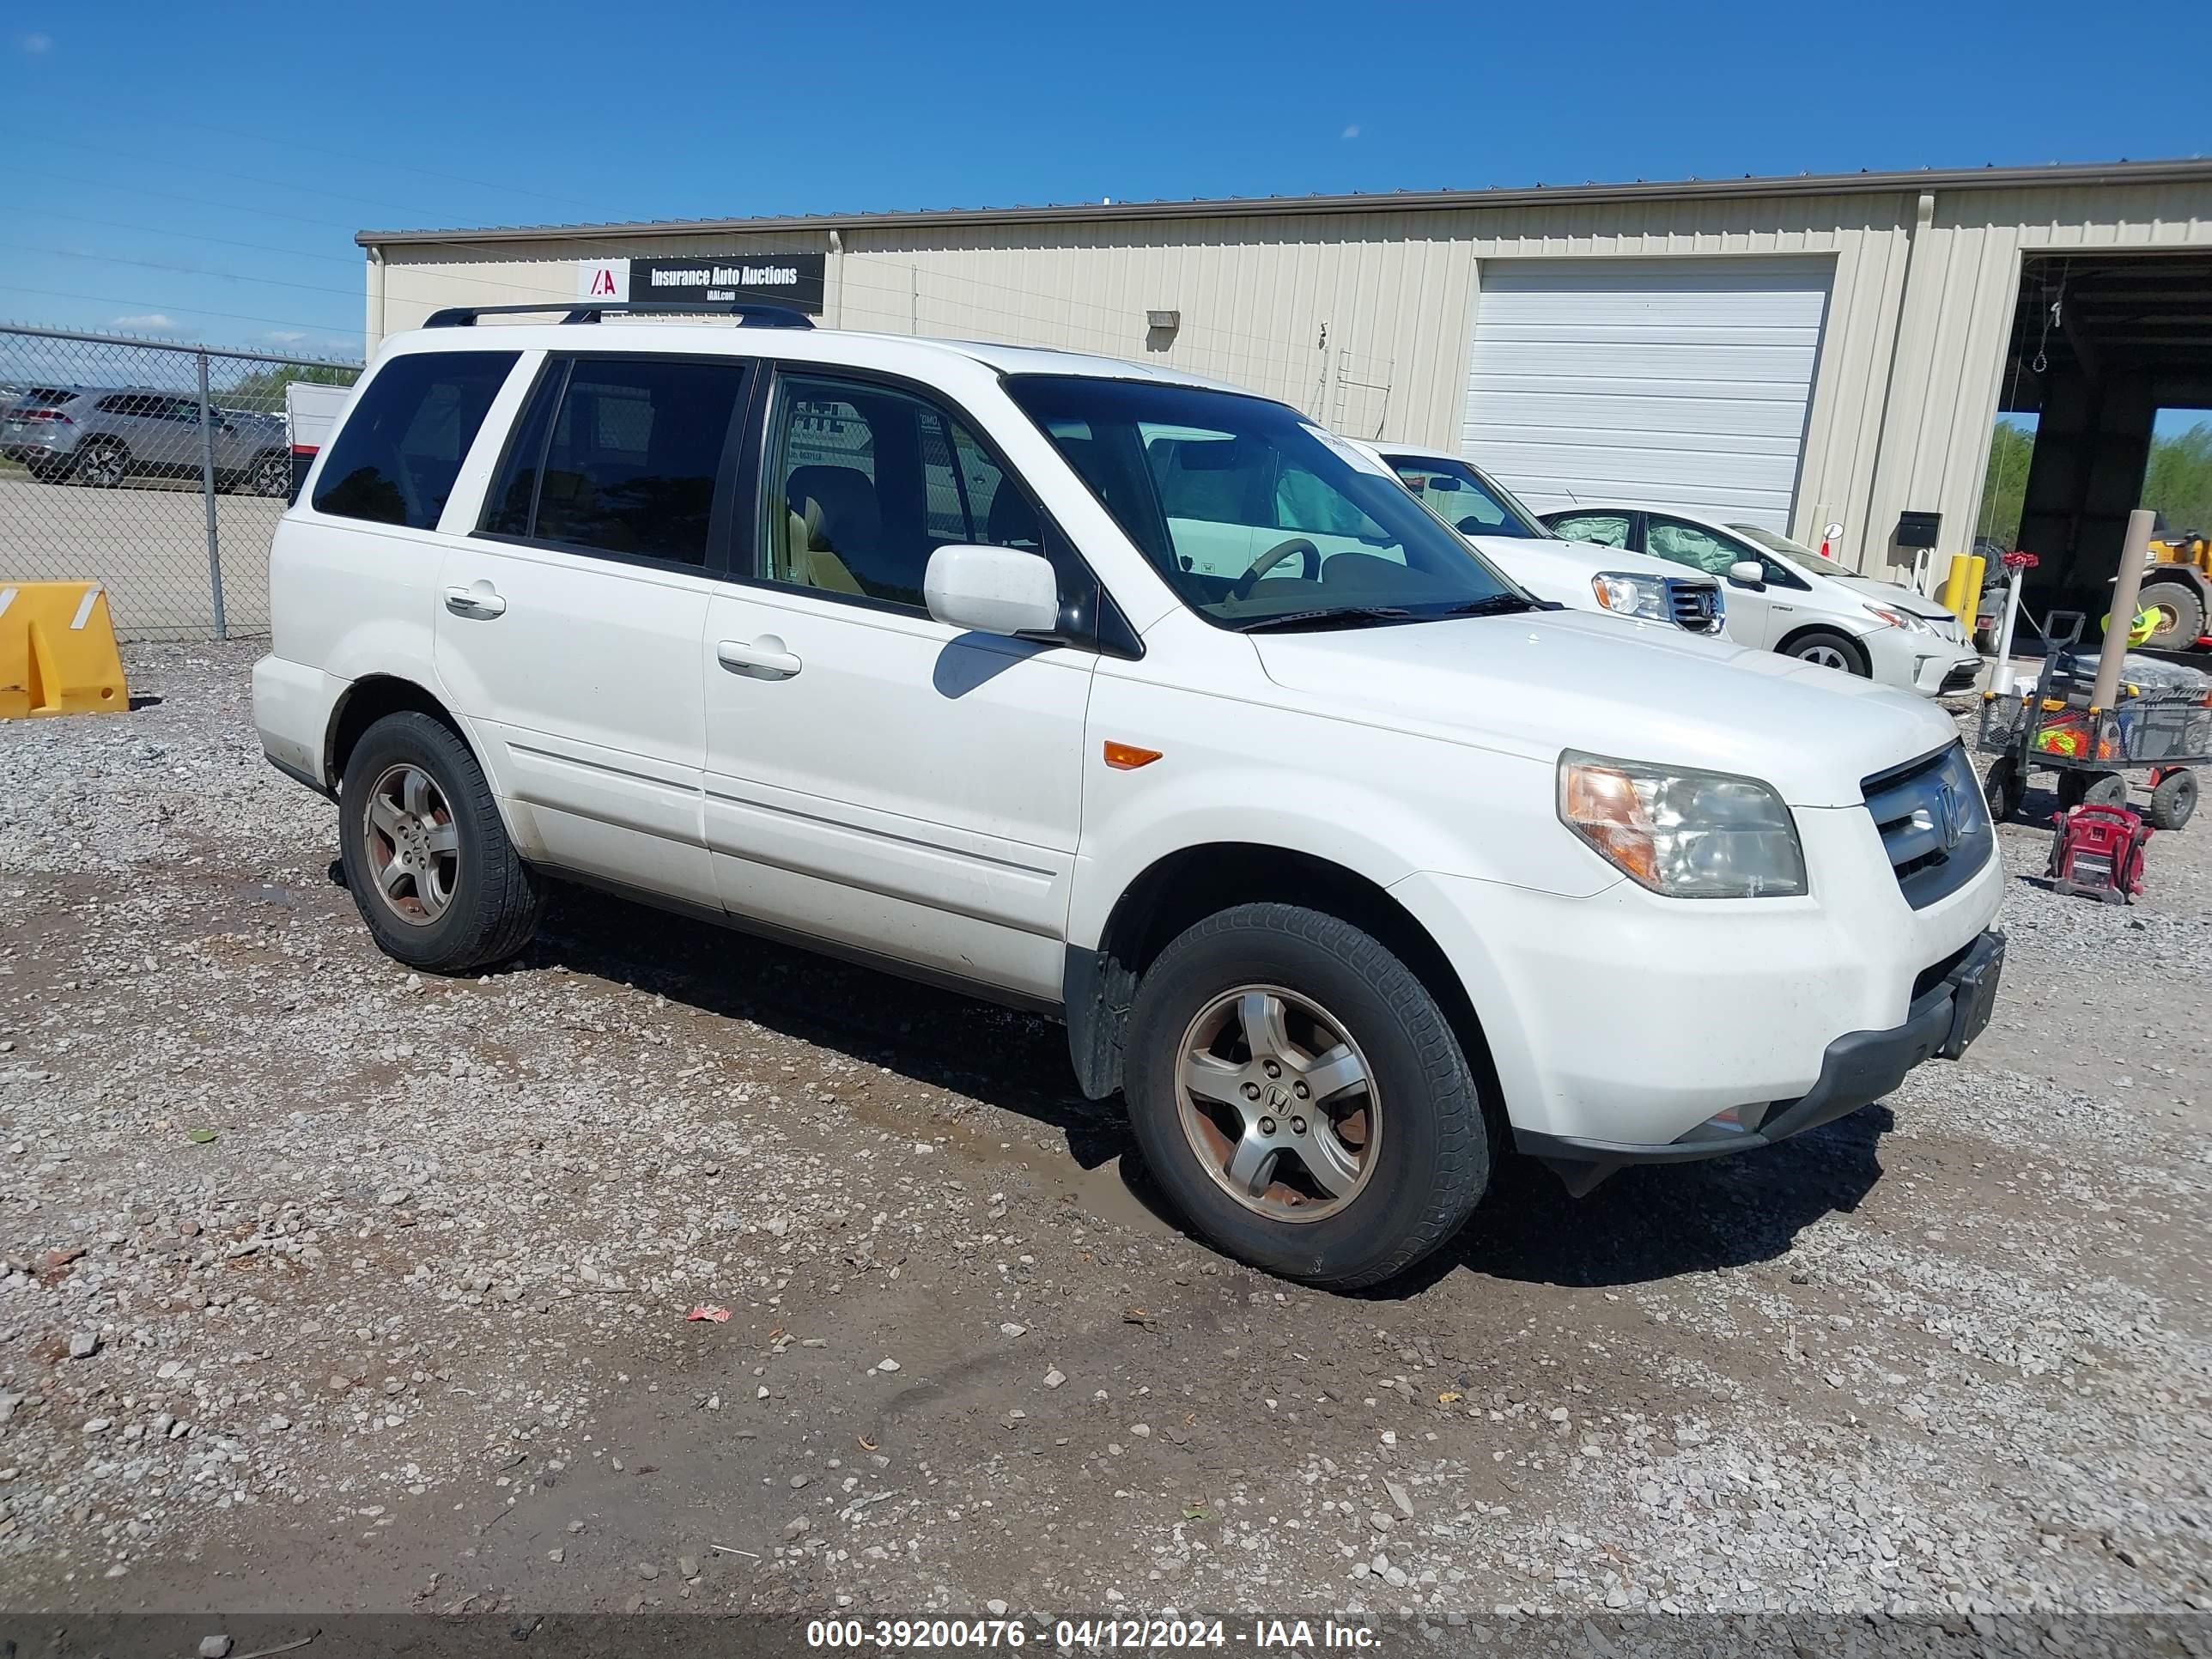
[1241,588]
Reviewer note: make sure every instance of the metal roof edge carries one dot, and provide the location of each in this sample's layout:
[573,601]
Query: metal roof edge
[2177,170]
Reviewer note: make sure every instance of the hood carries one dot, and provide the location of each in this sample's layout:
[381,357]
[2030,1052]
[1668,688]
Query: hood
[1895,595]
[1536,683]
[1541,566]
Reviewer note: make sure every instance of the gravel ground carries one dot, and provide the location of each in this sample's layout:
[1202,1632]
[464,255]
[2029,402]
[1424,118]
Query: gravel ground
[327,1287]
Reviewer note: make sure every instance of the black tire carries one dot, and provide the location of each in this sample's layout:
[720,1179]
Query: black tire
[2182,610]
[2004,787]
[1429,1138]
[1823,645]
[2174,801]
[494,898]
[101,463]
[2103,789]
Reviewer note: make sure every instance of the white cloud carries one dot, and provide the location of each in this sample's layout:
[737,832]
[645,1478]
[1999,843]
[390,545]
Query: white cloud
[283,337]
[36,44]
[1352,131]
[149,319]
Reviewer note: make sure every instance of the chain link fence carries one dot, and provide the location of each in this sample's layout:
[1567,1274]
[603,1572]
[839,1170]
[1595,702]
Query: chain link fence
[157,471]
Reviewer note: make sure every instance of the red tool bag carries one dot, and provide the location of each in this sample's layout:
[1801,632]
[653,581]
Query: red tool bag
[2099,854]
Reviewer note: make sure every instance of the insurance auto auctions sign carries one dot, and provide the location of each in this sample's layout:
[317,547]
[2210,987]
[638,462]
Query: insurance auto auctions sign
[793,279]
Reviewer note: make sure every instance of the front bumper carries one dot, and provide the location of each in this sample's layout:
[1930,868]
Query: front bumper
[1947,673]
[1926,663]
[1857,1069]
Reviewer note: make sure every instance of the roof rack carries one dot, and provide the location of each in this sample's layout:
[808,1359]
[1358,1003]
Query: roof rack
[753,313]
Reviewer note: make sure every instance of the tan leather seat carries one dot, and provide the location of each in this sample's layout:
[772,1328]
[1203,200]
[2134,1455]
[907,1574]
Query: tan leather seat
[832,512]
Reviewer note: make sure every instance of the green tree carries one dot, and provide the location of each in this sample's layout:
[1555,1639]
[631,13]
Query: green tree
[263,388]
[2177,482]
[2004,484]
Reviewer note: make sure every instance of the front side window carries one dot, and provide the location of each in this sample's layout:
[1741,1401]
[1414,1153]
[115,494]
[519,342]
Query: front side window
[1790,553]
[1680,542]
[864,481]
[1464,499]
[1254,514]
[395,459]
[620,456]
[1604,529]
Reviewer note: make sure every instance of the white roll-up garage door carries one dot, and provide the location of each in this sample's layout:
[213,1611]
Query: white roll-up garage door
[1678,382]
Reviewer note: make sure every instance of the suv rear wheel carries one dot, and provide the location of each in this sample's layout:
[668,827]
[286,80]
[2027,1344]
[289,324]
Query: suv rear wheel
[426,856]
[103,462]
[1299,1095]
[271,474]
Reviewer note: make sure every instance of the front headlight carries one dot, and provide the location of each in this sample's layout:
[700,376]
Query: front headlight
[1632,595]
[1904,619]
[1684,832]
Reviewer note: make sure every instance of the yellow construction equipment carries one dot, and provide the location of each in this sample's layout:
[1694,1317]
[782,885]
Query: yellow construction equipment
[58,652]
[2177,587]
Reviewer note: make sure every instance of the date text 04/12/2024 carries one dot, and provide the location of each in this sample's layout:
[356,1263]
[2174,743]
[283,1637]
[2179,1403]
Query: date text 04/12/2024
[1116,1634]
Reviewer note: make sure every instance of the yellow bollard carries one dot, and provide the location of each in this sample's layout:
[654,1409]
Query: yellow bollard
[58,652]
[1962,587]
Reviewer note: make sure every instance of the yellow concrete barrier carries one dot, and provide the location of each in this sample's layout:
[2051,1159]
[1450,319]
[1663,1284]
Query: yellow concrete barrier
[1962,587]
[58,652]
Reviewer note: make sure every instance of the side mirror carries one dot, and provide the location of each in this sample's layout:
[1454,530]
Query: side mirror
[1749,573]
[993,590]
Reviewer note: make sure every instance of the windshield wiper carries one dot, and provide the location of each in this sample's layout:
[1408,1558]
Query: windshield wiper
[1337,617]
[1498,604]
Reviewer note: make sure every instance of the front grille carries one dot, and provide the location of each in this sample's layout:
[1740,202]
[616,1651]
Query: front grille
[1933,822]
[1694,605]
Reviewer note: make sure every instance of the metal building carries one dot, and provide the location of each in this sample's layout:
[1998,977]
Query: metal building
[1797,351]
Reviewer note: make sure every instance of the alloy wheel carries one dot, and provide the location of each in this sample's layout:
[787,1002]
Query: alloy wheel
[1278,1102]
[412,844]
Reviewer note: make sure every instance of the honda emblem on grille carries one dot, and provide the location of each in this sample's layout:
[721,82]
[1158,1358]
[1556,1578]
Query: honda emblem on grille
[1950,821]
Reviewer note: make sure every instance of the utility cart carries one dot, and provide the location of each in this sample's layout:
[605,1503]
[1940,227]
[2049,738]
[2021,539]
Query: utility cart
[2160,727]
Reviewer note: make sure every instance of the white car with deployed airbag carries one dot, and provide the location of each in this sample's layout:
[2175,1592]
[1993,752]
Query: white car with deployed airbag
[1784,597]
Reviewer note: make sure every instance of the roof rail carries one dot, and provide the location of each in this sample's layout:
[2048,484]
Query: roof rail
[753,313]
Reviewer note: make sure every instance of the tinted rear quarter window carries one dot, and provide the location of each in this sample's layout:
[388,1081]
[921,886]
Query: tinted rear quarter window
[396,458]
[620,456]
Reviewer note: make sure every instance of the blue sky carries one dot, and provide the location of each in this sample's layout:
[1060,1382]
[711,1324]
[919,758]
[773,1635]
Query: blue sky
[197,171]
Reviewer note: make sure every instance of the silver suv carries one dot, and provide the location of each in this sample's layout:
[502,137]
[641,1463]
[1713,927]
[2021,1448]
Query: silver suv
[101,435]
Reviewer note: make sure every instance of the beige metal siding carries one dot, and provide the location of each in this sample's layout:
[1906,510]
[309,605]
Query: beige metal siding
[1903,392]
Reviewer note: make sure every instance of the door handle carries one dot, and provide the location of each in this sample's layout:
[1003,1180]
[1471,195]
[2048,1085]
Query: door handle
[479,599]
[763,659]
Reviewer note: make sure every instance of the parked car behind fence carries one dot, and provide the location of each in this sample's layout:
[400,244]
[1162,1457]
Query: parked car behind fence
[101,436]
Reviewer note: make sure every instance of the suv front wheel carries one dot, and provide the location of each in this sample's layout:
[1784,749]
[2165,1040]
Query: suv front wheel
[1303,1099]
[428,861]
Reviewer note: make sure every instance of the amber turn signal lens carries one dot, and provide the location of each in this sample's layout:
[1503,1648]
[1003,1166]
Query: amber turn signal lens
[1602,804]
[1127,758]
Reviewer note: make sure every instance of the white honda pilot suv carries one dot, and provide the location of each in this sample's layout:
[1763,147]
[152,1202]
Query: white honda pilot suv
[1142,702]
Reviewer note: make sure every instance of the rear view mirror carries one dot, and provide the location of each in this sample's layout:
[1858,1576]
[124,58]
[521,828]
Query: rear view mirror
[1748,573]
[993,590]
[1441,481]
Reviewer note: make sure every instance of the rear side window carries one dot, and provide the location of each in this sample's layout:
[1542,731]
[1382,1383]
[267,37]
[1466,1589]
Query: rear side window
[395,459]
[620,456]
[48,397]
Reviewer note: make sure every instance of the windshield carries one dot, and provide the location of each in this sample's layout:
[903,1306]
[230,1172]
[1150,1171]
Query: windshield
[1254,516]
[1798,554]
[1465,500]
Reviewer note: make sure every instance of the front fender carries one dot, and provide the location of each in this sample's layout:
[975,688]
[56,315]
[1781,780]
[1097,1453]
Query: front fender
[1378,803]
